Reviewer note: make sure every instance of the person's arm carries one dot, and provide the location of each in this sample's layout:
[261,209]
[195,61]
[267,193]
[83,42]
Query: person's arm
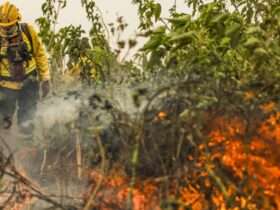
[41,59]
[40,55]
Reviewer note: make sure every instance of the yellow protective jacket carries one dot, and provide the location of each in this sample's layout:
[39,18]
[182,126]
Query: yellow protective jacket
[38,62]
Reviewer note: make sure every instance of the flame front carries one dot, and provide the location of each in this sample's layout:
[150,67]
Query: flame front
[251,161]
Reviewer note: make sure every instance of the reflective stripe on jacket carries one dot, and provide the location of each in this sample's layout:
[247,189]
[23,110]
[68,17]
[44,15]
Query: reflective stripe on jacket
[38,62]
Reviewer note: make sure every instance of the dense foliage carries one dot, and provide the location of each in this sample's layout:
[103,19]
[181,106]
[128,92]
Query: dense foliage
[71,48]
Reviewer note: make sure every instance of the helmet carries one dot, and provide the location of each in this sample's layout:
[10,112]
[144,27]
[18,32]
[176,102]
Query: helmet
[9,14]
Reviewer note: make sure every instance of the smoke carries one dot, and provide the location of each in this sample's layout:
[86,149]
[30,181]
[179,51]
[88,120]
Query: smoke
[57,119]
[57,110]
[66,107]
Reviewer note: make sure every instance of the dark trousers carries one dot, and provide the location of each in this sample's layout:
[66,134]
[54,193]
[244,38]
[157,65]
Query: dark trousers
[24,101]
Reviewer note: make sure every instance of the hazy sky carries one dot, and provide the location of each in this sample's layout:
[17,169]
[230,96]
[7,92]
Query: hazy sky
[73,13]
[111,9]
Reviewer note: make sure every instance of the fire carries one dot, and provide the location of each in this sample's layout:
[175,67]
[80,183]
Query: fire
[255,159]
[17,200]
[162,115]
[250,176]
[252,162]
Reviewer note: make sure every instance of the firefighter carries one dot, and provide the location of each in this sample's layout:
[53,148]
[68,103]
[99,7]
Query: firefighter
[24,70]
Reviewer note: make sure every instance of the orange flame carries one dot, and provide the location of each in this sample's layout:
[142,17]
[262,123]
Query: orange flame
[255,159]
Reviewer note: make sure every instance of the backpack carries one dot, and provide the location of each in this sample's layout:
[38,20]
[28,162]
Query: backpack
[25,30]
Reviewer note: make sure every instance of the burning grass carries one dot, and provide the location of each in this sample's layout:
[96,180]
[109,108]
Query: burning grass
[172,156]
[236,166]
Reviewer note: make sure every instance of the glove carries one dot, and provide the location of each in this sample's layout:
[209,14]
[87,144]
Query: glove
[45,87]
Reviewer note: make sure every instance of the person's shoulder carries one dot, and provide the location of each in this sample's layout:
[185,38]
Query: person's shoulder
[31,27]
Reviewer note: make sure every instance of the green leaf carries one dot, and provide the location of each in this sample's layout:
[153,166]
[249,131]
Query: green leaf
[234,28]
[219,18]
[152,44]
[187,37]
[260,52]
[225,41]
[252,42]
[276,11]
[157,11]
[253,30]
[183,19]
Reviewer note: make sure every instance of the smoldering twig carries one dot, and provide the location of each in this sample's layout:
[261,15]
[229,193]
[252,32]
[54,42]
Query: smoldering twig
[5,161]
[9,199]
[90,202]
[6,145]
[32,189]
[10,170]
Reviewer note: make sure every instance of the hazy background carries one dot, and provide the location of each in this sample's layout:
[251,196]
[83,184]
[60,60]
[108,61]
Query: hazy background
[74,14]
[111,9]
